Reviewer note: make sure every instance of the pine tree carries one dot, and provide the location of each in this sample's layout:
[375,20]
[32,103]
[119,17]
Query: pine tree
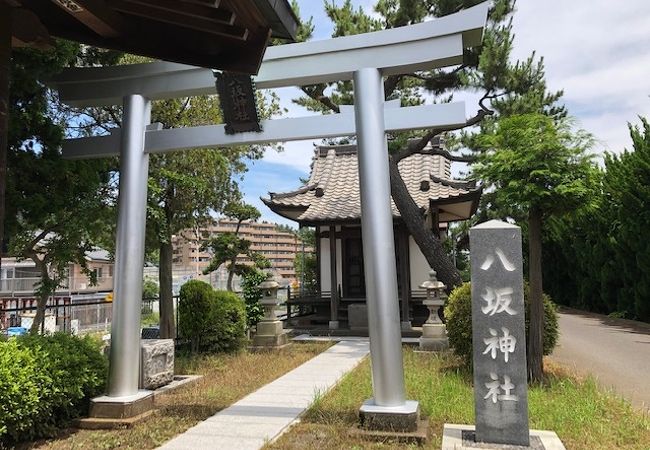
[487,69]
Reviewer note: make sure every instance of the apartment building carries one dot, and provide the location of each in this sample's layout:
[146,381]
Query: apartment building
[22,277]
[279,247]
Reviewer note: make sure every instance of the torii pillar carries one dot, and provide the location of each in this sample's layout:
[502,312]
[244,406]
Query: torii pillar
[365,58]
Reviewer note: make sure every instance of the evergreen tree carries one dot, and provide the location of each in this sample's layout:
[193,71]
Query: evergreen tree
[540,167]
[56,209]
[487,69]
[600,260]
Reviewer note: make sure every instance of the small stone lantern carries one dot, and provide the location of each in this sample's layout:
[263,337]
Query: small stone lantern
[270,333]
[434,332]
[269,300]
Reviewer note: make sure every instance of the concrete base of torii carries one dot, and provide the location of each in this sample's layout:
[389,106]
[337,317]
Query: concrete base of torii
[403,418]
[118,412]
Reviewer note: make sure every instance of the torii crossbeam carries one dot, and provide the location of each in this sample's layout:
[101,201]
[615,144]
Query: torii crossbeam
[364,58]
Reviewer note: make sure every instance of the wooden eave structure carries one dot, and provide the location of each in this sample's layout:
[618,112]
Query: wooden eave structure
[229,35]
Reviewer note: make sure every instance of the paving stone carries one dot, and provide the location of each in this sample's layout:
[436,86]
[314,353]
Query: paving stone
[266,413]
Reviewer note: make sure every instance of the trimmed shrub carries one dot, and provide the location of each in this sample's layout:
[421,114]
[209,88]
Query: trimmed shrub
[458,314]
[227,328]
[214,321]
[194,306]
[45,382]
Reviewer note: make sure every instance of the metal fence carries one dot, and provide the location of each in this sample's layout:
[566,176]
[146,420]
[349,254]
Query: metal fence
[82,314]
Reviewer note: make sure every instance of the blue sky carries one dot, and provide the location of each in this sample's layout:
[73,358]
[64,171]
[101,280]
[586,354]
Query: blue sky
[597,51]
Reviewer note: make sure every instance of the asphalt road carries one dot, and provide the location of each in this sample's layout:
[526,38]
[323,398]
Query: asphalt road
[615,352]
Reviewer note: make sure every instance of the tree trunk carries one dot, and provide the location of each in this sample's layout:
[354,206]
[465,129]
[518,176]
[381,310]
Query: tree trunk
[167,323]
[231,274]
[5,63]
[429,245]
[233,262]
[45,293]
[536,330]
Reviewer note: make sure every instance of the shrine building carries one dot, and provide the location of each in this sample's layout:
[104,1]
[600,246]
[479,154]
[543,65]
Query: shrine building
[329,201]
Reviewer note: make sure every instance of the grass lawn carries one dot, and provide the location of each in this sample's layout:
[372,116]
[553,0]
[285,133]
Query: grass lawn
[585,417]
[226,379]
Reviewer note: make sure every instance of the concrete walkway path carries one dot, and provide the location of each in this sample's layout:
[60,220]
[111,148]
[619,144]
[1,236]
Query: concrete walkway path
[269,411]
[616,352]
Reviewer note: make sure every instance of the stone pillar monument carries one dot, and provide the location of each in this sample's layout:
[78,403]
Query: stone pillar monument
[498,334]
[498,346]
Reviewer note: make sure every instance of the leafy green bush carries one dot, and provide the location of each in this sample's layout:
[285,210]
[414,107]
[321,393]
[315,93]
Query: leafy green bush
[214,321]
[45,381]
[458,313]
[227,328]
[150,289]
[194,306]
[252,296]
[20,391]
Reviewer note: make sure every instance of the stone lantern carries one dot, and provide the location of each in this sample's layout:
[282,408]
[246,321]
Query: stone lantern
[270,333]
[434,332]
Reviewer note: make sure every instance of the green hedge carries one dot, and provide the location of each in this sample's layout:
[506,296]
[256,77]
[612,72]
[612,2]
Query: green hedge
[458,314]
[213,321]
[45,382]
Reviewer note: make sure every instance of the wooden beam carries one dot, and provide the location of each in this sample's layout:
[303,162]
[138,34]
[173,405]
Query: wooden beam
[211,3]
[334,301]
[95,14]
[318,256]
[200,10]
[153,12]
[28,31]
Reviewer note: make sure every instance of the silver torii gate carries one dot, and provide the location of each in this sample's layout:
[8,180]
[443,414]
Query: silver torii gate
[363,58]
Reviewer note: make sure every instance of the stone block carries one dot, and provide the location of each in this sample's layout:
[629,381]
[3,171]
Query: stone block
[269,328]
[157,363]
[434,338]
[277,340]
[433,344]
[436,331]
[462,437]
[358,316]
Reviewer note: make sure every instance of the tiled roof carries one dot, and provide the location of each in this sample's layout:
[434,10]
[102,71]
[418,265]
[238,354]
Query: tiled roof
[332,191]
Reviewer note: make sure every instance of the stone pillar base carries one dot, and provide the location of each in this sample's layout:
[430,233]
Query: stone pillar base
[334,325]
[461,437]
[403,418]
[406,326]
[434,337]
[270,335]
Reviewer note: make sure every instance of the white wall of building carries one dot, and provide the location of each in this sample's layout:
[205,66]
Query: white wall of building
[419,266]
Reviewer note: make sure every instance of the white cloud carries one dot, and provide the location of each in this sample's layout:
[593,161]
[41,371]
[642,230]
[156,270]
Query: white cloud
[597,51]
[296,154]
